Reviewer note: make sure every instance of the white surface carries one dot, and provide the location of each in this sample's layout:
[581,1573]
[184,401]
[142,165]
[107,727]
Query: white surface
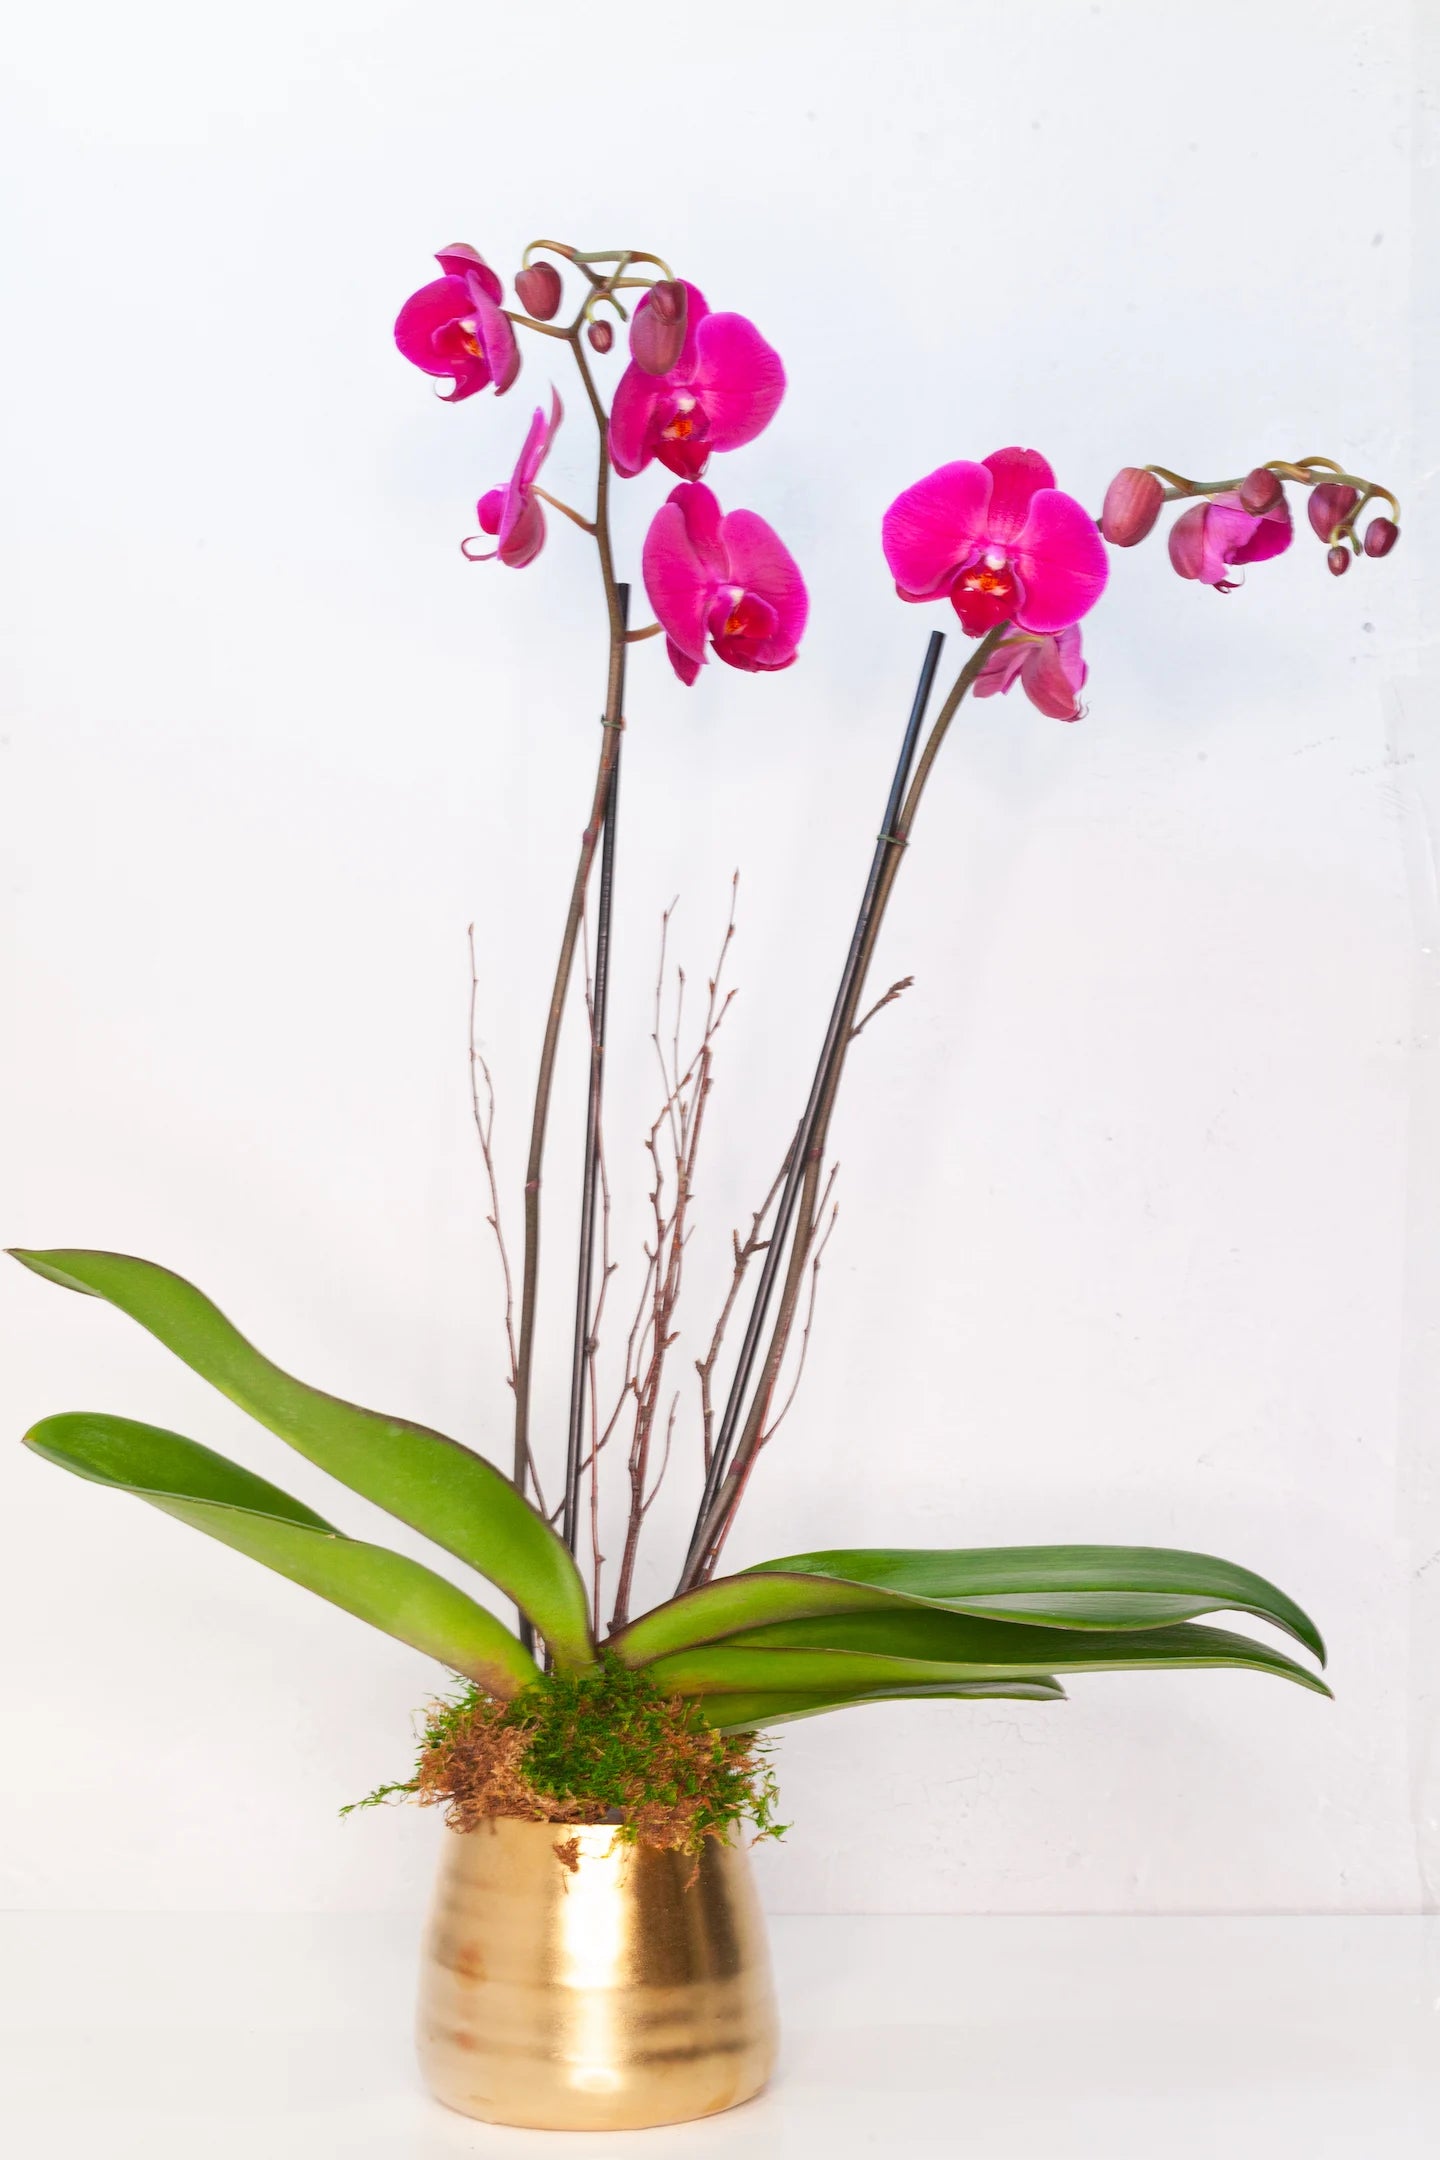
[148,2038]
[1141,1186]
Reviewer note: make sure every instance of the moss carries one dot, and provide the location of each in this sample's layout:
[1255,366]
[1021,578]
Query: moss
[601,1745]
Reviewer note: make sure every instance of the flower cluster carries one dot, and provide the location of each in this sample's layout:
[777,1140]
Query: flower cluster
[1234,522]
[698,383]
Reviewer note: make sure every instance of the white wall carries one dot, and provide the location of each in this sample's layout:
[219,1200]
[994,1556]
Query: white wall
[1141,1183]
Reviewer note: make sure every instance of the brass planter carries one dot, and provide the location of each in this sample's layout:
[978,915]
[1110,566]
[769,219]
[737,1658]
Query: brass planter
[617,1993]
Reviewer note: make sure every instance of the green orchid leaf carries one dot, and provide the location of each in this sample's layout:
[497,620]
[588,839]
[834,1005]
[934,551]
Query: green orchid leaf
[440,1488]
[246,1512]
[732,1603]
[745,1713]
[1108,1587]
[906,1647]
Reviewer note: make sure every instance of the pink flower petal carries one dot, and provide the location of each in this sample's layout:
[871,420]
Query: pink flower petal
[677,582]
[1270,532]
[737,378]
[1053,673]
[631,410]
[496,336]
[525,537]
[1015,476]
[1061,560]
[491,509]
[1186,542]
[539,436]
[1001,671]
[936,529]
[686,668]
[462,261]
[761,563]
[705,529]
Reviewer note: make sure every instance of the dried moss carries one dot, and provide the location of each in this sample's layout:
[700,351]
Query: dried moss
[602,1745]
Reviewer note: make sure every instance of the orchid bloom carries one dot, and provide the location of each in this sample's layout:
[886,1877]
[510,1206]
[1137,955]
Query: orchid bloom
[1000,542]
[1211,536]
[1050,670]
[724,388]
[513,513]
[455,326]
[726,578]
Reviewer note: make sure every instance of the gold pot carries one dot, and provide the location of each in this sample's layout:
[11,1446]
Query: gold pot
[601,1986]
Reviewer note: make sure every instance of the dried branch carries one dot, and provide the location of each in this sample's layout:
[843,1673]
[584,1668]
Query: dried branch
[743,1253]
[484,1117]
[673,1145]
[896,989]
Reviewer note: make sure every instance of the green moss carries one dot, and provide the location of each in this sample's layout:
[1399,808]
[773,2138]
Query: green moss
[598,1745]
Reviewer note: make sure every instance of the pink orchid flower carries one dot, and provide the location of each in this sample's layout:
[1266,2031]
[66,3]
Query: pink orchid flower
[456,327]
[724,388]
[1050,670]
[1211,536]
[1000,542]
[726,578]
[512,513]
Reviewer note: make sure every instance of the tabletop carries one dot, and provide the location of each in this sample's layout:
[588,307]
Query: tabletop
[276,2036]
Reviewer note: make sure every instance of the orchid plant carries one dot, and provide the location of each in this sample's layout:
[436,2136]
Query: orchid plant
[1020,564]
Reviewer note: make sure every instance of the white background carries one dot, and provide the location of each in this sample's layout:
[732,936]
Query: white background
[1140,1235]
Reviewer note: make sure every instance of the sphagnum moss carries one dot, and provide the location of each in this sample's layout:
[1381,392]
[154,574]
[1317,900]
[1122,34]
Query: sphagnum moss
[600,1745]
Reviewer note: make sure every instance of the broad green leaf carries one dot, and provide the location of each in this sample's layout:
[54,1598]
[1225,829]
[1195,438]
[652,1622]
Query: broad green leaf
[735,1602]
[903,1648]
[744,1713]
[433,1483]
[1083,1586]
[215,1495]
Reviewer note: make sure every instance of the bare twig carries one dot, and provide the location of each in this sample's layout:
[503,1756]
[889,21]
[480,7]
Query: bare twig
[743,1253]
[896,989]
[484,1116]
[673,1145]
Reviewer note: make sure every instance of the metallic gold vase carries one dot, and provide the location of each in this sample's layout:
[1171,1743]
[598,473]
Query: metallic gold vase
[620,1991]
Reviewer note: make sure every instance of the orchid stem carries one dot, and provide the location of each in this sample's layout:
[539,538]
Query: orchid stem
[545,1078]
[590,1176]
[586,525]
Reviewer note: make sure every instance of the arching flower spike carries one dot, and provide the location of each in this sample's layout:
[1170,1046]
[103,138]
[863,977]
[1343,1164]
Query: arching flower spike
[1050,670]
[724,388]
[728,580]
[512,513]
[455,326]
[1000,542]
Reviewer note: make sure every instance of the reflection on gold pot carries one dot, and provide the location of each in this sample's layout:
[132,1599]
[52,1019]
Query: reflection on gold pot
[571,1981]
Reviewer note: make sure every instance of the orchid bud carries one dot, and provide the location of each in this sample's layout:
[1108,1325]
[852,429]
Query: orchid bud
[1260,490]
[1380,536]
[1187,541]
[1338,560]
[1330,504]
[538,290]
[657,335]
[601,336]
[1131,506]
